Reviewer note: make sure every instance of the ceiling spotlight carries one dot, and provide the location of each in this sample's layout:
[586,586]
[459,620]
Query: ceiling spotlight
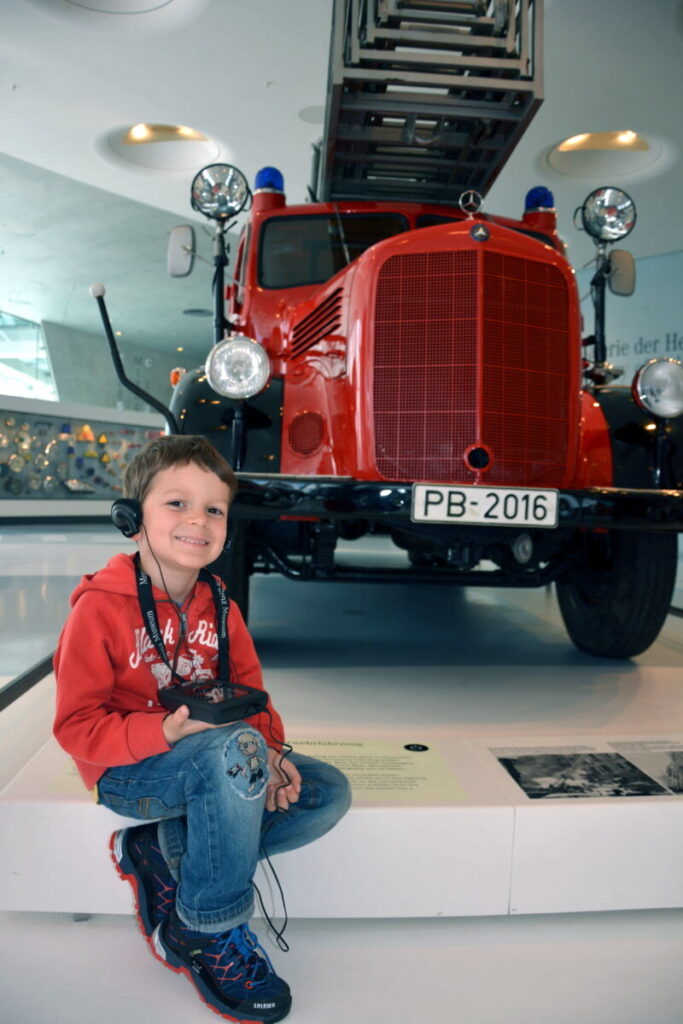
[158,147]
[219,191]
[604,140]
[142,134]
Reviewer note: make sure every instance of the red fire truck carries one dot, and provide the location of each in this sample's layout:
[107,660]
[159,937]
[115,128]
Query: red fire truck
[395,360]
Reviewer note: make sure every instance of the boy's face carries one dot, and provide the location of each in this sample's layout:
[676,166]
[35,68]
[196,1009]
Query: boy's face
[184,516]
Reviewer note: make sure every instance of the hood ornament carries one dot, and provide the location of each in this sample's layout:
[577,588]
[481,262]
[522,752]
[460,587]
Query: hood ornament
[470,202]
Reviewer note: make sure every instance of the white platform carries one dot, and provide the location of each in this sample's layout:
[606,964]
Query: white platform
[359,870]
[465,842]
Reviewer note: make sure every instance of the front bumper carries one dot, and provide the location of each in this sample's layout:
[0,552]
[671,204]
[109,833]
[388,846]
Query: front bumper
[270,496]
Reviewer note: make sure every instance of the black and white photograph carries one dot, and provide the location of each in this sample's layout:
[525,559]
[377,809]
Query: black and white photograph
[666,766]
[558,776]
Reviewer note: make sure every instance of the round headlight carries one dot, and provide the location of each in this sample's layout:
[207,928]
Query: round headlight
[658,387]
[238,367]
[608,214]
[219,191]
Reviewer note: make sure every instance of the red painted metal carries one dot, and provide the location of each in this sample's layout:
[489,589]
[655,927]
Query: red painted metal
[595,467]
[428,345]
[472,349]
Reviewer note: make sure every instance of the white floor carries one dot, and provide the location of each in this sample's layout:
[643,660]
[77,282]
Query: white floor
[593,969]
[426,660]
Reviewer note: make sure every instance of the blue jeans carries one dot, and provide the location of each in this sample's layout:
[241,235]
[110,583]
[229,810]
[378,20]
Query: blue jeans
[209,791]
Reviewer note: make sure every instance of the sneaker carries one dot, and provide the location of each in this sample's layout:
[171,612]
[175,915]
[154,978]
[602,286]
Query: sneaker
[139,860]
[231,970]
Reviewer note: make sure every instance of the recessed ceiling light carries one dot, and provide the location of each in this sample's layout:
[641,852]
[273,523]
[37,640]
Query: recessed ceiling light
[161,147]
[620,141]
[126,17]
[142,134]
[119,6]
[624,155]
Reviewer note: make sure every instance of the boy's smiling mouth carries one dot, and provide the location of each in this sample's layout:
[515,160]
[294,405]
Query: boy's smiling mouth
[192,540]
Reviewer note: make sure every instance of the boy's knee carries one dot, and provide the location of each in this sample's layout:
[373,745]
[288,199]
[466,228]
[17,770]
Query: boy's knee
[324,786]
[244,759]
[345,793]
[339,789]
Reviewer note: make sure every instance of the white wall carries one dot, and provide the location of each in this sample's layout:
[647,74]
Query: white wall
[648,323]
[84,371]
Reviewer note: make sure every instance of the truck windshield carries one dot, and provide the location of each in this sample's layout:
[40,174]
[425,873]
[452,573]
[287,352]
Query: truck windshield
[310,250]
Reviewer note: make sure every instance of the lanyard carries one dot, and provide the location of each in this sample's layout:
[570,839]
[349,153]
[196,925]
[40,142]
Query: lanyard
[149,615]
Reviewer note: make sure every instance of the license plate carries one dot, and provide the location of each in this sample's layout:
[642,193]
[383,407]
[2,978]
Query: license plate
[484,506]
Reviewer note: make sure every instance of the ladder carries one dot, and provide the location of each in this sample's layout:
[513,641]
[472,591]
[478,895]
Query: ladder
[426,98]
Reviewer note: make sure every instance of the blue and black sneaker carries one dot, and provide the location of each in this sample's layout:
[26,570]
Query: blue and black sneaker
[231,970]
[139,860]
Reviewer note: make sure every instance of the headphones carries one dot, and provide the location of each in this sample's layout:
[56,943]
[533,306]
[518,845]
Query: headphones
[126,515]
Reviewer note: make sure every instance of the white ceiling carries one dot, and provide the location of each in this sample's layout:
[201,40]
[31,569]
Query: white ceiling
[251,74]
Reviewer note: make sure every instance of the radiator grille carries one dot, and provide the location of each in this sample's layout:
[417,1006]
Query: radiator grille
[438,388]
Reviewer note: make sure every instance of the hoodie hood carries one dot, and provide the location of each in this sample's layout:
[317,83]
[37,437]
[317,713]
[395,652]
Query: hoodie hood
[117,577]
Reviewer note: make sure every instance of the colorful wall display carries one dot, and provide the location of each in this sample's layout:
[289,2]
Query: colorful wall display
[48,456]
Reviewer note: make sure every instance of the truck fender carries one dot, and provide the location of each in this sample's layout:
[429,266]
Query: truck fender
[634,443]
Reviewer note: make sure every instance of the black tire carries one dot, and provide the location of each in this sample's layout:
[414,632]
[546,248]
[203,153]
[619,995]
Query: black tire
[233,566]
[615,601]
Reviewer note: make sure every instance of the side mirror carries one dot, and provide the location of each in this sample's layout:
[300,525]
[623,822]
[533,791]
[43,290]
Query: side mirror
[180,252]
[622,275]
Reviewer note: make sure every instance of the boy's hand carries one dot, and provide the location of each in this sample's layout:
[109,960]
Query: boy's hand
[279,799]
[179,724]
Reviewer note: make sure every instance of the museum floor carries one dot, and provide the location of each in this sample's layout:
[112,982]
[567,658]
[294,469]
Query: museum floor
[372,661]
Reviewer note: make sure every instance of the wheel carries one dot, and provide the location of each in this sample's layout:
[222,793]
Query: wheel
[233,566]
[615,600]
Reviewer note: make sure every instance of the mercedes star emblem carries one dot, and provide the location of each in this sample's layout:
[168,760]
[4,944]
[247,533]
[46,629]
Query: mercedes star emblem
[480,233]
[470,202]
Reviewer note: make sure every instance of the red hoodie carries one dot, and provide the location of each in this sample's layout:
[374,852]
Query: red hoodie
[108,672]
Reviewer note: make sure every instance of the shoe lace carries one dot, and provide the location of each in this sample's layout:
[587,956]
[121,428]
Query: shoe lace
[242,946]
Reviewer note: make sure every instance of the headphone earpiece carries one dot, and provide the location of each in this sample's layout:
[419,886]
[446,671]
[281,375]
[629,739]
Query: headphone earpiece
[126,515]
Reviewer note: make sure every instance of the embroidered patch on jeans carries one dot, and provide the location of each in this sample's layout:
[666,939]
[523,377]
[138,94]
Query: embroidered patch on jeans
[246,762]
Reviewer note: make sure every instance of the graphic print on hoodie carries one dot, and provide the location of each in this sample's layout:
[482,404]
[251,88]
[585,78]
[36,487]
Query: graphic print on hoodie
[109,673]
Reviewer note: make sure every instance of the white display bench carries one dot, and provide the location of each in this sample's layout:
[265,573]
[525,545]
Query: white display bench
[437,832]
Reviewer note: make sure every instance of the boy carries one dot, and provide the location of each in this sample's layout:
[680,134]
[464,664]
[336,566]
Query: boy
[225,795]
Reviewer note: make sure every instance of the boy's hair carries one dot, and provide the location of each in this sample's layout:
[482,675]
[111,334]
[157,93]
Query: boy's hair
[174,450]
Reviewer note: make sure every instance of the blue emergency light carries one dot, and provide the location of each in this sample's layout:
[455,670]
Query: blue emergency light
[539,198]
[269,178]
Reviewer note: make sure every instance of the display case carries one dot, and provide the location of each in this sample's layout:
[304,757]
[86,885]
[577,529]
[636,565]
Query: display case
[59,460]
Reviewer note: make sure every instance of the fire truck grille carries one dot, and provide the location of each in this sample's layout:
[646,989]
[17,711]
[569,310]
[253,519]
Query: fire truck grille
[441,385]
